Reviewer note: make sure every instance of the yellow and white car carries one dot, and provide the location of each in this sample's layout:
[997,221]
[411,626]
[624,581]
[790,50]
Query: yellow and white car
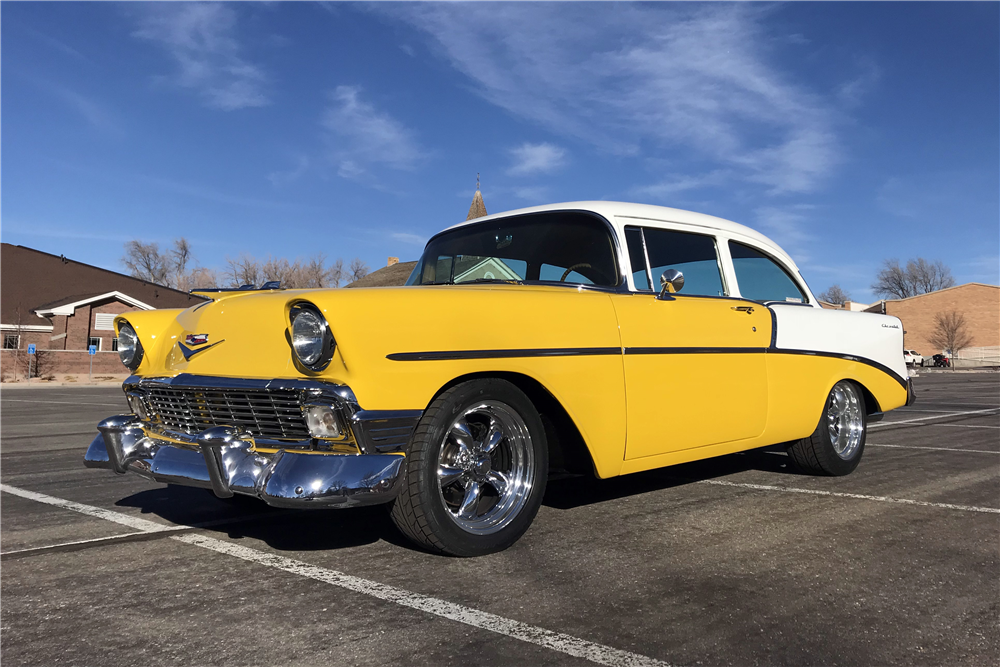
[523,342]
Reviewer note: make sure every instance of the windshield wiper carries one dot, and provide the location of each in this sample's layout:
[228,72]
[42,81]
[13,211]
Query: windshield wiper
[491,280]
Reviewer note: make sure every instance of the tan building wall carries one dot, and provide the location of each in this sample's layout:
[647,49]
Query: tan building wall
[978,302]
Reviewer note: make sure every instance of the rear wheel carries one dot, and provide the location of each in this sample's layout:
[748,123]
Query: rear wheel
[836,446]
[476,471]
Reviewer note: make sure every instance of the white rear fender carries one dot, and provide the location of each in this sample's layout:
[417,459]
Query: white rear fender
[868,336]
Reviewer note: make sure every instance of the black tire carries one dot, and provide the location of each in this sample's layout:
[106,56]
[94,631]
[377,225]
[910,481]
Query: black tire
[818,454]
[424,510]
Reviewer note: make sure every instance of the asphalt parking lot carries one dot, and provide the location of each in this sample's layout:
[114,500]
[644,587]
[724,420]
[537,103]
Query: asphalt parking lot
[732,561]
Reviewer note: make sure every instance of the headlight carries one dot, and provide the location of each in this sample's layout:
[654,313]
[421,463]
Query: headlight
[129,347]
[312,341]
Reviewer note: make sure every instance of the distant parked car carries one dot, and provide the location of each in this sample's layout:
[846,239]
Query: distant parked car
[913,358]
[941,360]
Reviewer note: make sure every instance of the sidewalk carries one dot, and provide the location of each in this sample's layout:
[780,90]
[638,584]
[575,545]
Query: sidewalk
[105,380]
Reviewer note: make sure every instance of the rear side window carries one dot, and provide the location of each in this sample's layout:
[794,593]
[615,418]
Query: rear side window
[694,255]
[761,278]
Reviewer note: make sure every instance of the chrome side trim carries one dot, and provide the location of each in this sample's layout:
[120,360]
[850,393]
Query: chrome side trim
[223,459]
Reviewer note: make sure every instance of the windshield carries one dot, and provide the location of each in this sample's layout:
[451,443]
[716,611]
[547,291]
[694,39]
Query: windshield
[559,247]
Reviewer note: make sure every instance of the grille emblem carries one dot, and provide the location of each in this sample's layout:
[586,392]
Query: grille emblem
[196,339]
[189,352]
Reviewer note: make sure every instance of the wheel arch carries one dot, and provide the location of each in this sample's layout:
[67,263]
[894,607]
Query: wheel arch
[568,451]
[871,403]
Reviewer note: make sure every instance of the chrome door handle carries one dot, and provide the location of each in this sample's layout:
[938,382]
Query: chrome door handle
[744,309]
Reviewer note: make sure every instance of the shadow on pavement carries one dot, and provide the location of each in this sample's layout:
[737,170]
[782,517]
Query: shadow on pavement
[282,529]
[587,490]
[323,530]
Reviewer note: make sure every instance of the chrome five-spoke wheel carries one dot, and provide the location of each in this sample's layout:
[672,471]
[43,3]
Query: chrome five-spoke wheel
[845,420]
[475,471]
[836,446]
[485,467]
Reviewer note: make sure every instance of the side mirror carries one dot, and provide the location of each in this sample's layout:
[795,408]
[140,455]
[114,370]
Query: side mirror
[671,281]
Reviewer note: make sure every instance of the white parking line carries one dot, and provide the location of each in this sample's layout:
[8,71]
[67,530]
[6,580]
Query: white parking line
[126,537]
[921,419]
[857,496]
[937,449]
[25,400]
[904,411]
[135,522]
[556,641]
[964,425]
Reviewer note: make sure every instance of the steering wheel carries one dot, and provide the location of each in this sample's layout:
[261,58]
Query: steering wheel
[573,268]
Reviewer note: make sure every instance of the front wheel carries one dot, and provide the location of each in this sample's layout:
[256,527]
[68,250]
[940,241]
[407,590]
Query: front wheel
[836,446]
[476,471]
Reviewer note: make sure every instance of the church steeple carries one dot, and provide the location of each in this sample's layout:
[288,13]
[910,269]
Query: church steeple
[478,208]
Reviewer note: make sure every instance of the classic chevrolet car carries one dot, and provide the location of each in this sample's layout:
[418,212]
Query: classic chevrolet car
[523,343]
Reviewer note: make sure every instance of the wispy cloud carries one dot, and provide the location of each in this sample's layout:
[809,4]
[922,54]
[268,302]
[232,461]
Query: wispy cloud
[201,40]
[362,136]
[647,79]
[93,111]
[56,44]
[788,226]
[406,237]
[532,159]
[674,184]
[287,176]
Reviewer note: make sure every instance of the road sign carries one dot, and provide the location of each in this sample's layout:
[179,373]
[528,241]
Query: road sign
[31,349]
[92,350]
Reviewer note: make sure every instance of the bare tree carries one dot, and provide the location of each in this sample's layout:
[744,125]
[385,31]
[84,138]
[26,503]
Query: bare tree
[282,270]
[835,295]
[357,269]
[244,270]
[199,278]
[929,276]
[336,273]
[180,256]
[919,277]
[169,268]
[950,333]
[144,261]
[172,268]
[314,273]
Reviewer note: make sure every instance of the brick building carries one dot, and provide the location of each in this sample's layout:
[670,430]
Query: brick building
[978,302]
[63,306]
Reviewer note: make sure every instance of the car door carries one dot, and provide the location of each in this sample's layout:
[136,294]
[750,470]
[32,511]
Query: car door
[695,373]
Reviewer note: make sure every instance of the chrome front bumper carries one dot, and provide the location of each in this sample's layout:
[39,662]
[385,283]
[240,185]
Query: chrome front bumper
[224,460]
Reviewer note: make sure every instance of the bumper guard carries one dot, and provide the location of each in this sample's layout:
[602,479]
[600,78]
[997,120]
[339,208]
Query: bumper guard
[223,459]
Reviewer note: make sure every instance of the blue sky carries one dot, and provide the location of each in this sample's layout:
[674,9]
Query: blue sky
[848,132]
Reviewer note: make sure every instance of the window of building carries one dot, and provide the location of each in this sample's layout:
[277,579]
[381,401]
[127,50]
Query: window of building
[694,255]
[95,340]
[114,344]
[761,278]
[11,342]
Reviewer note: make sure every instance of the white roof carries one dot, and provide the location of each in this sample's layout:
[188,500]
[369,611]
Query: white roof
[620,214]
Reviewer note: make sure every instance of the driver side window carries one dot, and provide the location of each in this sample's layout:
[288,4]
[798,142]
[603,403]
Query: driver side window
[694,255]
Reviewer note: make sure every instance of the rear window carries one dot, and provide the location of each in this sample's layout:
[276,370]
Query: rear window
[761,278]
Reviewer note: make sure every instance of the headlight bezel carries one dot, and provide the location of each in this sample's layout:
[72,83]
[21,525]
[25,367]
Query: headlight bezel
[137,354]
[327,342]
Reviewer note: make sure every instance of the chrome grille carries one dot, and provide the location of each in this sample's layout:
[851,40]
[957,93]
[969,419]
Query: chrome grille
[269,414]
